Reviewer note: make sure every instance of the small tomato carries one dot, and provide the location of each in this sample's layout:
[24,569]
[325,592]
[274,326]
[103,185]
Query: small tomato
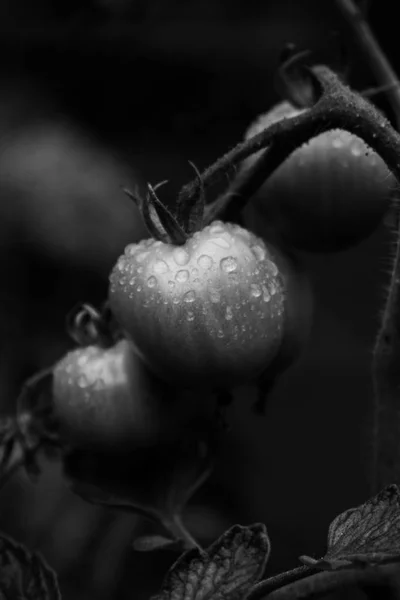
[330,194]
[105,399]
[211,312]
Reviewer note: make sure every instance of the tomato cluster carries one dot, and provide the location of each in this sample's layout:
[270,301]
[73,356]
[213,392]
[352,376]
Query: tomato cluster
[203,308]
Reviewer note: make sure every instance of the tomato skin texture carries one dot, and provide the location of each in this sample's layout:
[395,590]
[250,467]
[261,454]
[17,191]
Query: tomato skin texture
[211,312]
[106,400]
[329,195]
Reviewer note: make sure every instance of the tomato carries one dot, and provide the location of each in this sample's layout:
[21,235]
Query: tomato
[330,194]
[125,434]
[105,399]
[211,312]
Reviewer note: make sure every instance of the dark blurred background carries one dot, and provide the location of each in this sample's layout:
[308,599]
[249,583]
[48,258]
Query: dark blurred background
[100,94]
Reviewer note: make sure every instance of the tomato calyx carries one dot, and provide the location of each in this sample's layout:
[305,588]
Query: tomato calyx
[161,222]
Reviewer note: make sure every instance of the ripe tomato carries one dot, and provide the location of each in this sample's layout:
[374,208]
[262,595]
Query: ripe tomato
[209,313]
[327,196]
[105,399]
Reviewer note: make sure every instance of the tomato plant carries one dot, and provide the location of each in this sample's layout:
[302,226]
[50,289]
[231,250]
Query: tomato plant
[330,194]
[211,310]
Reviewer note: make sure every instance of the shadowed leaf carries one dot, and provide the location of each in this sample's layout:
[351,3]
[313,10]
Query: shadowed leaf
[225,571]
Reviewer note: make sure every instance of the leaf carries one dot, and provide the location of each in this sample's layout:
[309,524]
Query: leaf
[225,571]
[24,574]
[368,534]
[148,543]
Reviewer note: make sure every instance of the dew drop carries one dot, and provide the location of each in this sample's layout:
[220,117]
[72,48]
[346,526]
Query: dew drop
[190,316]
[82,381]
[220,333]
[182,276]
[139,288]
[190,296]
[228,264]
[215,296]
[337,143]
[152,281]
[255,290]
[272,288]
[205,262]
[216,228]
[141,256]
[266,294]
[356,151]
[176,300]
[221,242]
[181,257]
[228,313]
[130,250]
[259,252]
[272,268]
[120,266]
[160,266]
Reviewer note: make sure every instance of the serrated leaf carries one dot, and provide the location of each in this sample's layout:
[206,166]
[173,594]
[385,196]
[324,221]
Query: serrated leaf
[225,571]
[24,574]
[366,535]
[148,543]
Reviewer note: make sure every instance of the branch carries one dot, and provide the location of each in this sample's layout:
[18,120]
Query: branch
[373,53]
[324,582]
[338,107]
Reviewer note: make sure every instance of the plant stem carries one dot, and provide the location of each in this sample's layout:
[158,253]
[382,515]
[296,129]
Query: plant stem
[277,581]
[385,447]
[176,527]
[320,584]
[373,53]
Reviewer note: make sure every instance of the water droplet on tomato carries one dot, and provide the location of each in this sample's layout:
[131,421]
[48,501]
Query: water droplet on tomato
[228,264]
[181,257]
[255,290]
[152,281]
[337,143]
[190,316]
[272,268]
[216,228]
[160,266]
[221,242]
[175,300]
[139,288]
[182,276]
[205,262]
[132,280]
[190,296]
[171,285]
[130,250]
[356,151]
[215,296]
[82,381]
[266,294]
[228,313]
[220,333]
[120,266]
[141,256]
[259,252]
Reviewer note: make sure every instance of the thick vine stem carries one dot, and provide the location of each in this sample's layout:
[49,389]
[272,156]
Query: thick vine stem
[338,107]
[373,53]
[267,586]
[320,584]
